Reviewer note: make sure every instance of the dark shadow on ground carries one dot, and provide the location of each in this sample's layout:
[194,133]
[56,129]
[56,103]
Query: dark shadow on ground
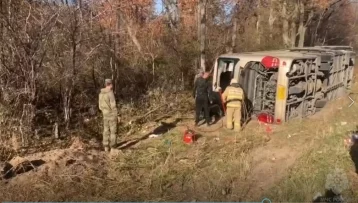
[197,137]
[10,171]
[354,155]
[163,128]
[329,196]
[216,111]
[353,151]
[246,112]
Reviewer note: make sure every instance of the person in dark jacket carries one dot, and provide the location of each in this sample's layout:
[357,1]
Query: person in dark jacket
[202,93]
[198,75]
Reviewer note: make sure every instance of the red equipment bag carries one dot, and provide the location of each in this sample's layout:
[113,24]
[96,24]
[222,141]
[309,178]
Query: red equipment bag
[189,136]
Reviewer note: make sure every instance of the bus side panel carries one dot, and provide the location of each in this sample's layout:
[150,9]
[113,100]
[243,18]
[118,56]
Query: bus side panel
[282,92]
[247,82]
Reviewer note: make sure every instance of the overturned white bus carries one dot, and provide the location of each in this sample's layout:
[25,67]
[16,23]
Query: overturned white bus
[285,84]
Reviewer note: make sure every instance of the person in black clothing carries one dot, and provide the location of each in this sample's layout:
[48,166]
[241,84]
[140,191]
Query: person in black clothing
[202,93]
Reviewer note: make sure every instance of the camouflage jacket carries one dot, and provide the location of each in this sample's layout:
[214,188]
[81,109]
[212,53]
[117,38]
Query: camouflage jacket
[107,103]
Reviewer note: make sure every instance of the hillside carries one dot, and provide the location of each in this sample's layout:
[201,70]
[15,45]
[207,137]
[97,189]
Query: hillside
[220,166]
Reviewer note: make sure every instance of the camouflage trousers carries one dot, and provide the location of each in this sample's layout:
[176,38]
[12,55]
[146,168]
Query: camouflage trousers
[233,115]
[109,132]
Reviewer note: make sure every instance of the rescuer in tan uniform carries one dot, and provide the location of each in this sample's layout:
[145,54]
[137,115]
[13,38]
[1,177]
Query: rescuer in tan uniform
[233,96]
[107,104]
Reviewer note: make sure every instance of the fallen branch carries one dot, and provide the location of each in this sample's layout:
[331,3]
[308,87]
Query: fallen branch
[145,115]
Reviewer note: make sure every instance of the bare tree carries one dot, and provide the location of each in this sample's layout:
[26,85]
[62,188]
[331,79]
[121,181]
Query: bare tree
[258,21]
[202,6]
[234,27]
[293,28]
[25,52]
[303,22]
[285,24]
[323,16]
[172,10]
[272,17]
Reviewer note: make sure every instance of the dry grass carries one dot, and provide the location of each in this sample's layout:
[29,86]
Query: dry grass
[233,168]
[156,169]
[170,170]
[327,152]
[165,168]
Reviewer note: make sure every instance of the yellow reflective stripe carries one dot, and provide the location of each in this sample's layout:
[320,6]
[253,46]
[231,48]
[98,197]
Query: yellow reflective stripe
[234,105]
[281,93]
[239,96]
[235,92]
[234,97]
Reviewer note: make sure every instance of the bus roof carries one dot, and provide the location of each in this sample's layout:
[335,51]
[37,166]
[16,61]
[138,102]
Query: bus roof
[286,54]
[295,53]
[345,48]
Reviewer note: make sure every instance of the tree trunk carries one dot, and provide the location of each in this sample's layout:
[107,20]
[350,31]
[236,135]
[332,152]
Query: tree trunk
[285,31]
[116,53]
[67,104]
[202,33]
[198,11]
[26,123]
[302,27]
[233,34]
[131,34]
[71,77]
[272,17]
[301,41]
[198,14]
[314,34]
[258,21]
[172,13]
[79,4]
[69,86]
[172,10]
[293,34]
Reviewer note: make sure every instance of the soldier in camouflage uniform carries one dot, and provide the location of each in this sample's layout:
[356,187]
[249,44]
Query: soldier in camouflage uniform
[107,104]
